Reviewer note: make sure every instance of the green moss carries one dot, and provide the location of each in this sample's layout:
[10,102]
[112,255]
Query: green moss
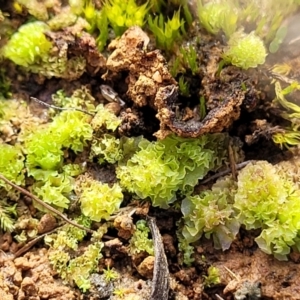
[110,275]
[105,119]
[106,149]
[140,240]
[189,59]
[81,98]
[11,165]
[44,148]
[55,191]
[289,136]
[158,170]
[80,268]
[166,33]
[98,200]
[265,197]
[216,16]
[28,45]
[269,200]
[7,212]
[185,249]
[211,213]
[124,14]
[61,254]
[245,50]
[184,87]
[43,152]
[212,278]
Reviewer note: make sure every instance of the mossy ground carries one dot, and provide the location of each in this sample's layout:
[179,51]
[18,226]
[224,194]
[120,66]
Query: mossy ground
[241,115]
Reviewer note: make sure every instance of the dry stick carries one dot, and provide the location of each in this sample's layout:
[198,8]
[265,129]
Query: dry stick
[42,203]
[160,282]
[31,243]
[61,108]
[223,173]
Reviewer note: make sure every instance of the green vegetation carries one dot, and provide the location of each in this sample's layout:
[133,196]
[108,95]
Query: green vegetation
[74,269]
[140,239]
[289,136]
[124,14]
[29,45]
[265,197]
[44,155]
[106,149]
[11,165]
[189,59]
[185,248]
[214,16]
[211,213]
[245,50]
[268,200]
[183,87]
[110,274]
[167,33]
[105,119]
[162,168]
[7,212]
[213,277]
[98,200]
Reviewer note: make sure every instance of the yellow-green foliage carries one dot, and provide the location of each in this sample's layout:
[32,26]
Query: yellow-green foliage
[265,197]
[160,169]
[55,190]
[105,119]
[6,214]
[62,20]
[185,249]
[140,240]
[69,129]
[110,274]
[43,151]
[61,254]
[211,213]
[216,16]
[189,59]
[268,200]
[72,129]
[106,149]
[36,8]
[264,17]
[97,19]
[166,32]
[28,45]
[80,268]
[289,136]
[11,165]
[81,98]
[44,160]
[213,277]
[124,14]
[245,50]
[99,200]
[292,110]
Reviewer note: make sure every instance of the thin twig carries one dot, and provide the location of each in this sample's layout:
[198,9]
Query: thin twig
[61,108]
[42,203]
[32,242]
[225,172]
